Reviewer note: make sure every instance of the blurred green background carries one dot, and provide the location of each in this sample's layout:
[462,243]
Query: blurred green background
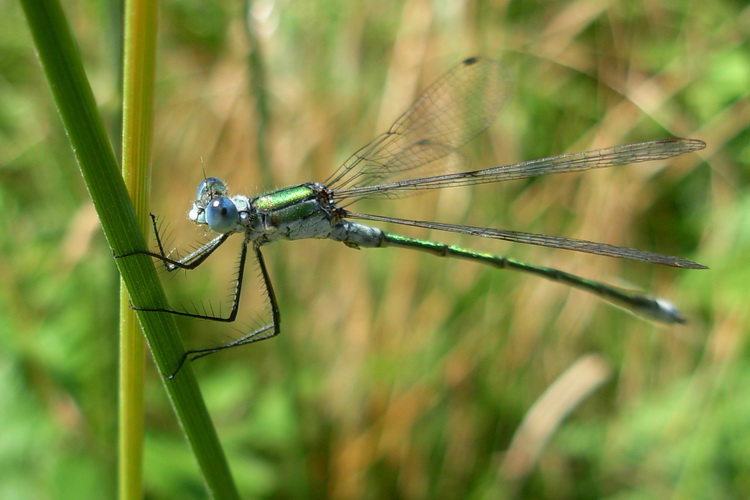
[399,375]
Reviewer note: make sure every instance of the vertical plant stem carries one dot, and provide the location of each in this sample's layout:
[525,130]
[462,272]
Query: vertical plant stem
[259,90]
[63,68]
[300,484]
[141,22]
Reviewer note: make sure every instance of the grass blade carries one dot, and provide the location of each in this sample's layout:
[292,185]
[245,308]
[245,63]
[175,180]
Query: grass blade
[63,68]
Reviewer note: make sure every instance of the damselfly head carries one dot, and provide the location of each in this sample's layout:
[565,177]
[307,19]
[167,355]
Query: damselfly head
[208,190]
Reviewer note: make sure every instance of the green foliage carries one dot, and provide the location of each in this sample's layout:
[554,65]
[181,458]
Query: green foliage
[396,376]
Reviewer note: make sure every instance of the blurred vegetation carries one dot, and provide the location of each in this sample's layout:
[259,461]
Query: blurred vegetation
[397,375]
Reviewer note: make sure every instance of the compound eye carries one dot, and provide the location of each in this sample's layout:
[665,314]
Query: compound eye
[209,189]
[222,215]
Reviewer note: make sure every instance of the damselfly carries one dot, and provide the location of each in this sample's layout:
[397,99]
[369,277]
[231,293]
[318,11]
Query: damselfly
[455,109]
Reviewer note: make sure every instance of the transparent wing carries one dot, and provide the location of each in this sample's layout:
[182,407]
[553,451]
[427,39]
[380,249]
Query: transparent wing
[447,115]
[542,240]
[576,162]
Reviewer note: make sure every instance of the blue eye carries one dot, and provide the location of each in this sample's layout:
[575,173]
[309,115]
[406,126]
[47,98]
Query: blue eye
[209,189]
[222,215]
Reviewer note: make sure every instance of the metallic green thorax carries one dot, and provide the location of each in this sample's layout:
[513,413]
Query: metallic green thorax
[283,198]
[288,205]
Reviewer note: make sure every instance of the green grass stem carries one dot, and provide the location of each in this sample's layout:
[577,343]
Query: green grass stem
[63,68]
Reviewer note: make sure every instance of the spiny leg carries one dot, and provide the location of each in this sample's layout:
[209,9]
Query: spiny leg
[235,299]
[190,261]
[257,335]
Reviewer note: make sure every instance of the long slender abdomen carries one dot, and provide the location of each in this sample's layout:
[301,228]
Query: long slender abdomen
[357,235]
